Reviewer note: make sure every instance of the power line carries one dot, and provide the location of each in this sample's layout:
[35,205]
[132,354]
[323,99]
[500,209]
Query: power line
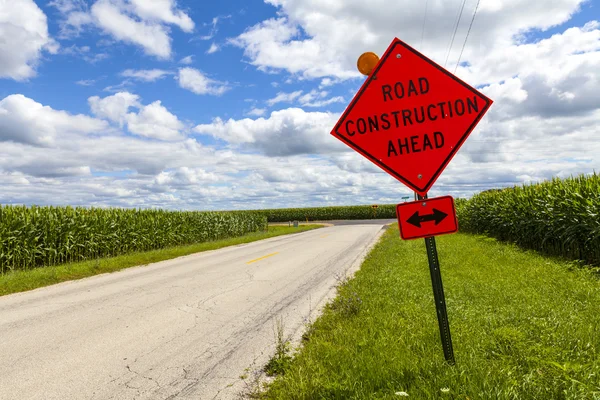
[468,32]
[455,30]
[423,29]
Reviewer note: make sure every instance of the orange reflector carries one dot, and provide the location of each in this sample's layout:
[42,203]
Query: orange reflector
[367,62]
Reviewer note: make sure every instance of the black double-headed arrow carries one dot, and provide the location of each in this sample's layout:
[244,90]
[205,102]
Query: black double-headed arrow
[437,216]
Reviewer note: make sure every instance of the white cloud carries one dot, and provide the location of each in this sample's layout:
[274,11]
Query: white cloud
[153,38]
[213,27]
[271,46]
[151,121]
[155,121]
[75,16]
[23,120]
[187,60]
[119,87]
[323,103]
[213,49]
[138,22]
[325,82]
[195,81]
[146,75]
[257,112]
[283,97]
[85,53]
[317,39]
[24,29]
[184,176]
[163,10]
[67,6]
[74,24]
[314,98]
[115,107]
[511,90]
[86,82]
[286,132]
[555,57]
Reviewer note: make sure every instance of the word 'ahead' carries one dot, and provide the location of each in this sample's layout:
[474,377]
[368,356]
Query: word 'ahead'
[411,116]
[425,218]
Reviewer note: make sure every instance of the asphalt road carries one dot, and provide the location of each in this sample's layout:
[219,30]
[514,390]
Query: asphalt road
[181,329]
[362,222]
[338,222]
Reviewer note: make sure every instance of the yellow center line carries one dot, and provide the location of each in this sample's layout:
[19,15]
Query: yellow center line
[325,235]
[262,258]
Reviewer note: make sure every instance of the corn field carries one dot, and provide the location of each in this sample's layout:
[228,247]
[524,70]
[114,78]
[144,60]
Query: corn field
[330,213]
[44,236]
[559,217]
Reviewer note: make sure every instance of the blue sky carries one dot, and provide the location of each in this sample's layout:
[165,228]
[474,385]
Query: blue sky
[58,74]
[141,113]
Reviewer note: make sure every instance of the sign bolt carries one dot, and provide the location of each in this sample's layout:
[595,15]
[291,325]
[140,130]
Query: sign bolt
[424,204]
[398,55]
[420,176]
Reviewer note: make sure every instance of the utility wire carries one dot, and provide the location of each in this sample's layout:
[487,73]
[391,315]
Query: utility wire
[455,30]
[468,32]
[423,29]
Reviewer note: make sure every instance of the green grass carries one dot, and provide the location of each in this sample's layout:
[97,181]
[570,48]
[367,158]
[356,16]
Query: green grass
[523,326]
[281,359]
[22,280]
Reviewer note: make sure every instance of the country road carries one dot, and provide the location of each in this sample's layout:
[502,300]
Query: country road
[186,328]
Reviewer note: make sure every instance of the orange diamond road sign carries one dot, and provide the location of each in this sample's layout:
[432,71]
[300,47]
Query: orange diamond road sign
[411,116]
[426,218]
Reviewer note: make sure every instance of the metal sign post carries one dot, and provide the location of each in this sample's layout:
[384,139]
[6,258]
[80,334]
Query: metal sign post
[438,295]
[410,117]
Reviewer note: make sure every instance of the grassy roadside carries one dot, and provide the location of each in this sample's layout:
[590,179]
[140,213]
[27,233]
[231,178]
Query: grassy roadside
[19,281]
[523,326]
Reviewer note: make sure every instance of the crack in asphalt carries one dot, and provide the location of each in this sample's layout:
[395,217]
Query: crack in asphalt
[139,391]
